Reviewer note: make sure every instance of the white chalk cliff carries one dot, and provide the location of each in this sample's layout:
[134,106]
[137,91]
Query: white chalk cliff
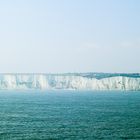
[70,81]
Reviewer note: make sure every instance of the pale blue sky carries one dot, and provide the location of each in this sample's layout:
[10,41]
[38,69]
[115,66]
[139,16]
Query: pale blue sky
[69,36]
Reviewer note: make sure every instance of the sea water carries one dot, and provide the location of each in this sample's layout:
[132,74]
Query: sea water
[72,115]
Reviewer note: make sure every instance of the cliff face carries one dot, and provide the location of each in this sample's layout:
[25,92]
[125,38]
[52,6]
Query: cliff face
[67,81]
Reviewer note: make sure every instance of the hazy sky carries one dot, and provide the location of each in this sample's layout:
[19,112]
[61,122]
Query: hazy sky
[69,36]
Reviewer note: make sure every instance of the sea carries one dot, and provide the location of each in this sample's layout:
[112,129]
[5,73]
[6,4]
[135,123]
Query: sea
[69,115]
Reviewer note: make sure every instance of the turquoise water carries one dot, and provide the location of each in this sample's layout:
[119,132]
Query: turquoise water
[72,115]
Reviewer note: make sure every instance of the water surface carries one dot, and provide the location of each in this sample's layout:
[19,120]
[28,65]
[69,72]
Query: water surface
[69,115]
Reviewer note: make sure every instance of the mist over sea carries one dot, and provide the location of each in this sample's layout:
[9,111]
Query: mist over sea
[69,115]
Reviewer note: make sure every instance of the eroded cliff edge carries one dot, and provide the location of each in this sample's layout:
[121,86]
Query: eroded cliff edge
[84,81]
